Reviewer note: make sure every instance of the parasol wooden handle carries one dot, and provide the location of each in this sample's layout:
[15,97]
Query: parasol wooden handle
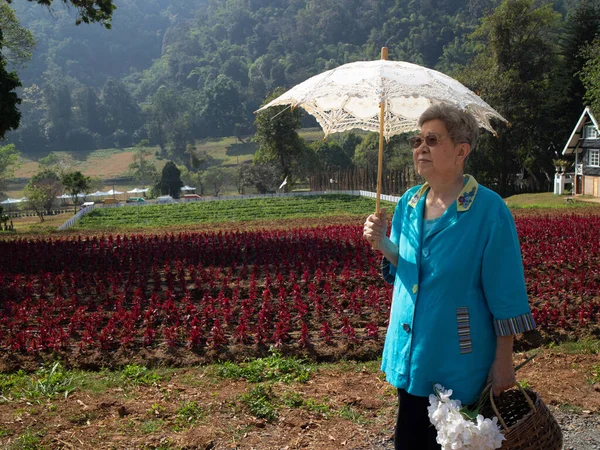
[384,56]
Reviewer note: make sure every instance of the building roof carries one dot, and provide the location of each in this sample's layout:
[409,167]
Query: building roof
[573,142]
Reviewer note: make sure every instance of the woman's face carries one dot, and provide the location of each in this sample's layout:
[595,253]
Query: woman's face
[442,158]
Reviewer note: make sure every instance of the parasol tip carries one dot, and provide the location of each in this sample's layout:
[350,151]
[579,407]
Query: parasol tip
[384,53]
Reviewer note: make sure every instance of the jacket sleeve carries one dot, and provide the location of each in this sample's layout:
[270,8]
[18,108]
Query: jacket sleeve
[503,277]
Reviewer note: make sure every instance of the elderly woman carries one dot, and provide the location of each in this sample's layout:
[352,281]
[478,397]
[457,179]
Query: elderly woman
[459,291]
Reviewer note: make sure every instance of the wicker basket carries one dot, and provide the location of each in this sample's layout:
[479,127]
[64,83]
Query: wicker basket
[526,419]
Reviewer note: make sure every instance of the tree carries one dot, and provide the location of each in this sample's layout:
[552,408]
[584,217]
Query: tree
[76,183]
[168,122]
[349,141]
[278,139]
[16,45]
[42,190]
[224,111]
[581,27]
[512,71]
[89,109]
[18,42]
[217,178]
[141,169]
[331,155]
[9,157]
[9,112]
[30,136]
[366,153]
[191,178]
[121,111]
[95,184]
[266,178]
[590,76]
[88,10]
[170,180]
[59,110]
[59,164]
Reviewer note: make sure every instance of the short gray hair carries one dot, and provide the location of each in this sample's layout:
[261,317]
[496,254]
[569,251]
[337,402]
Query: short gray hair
[461,125]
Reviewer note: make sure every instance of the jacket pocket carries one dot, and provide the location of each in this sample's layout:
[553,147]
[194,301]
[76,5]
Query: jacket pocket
[464,330]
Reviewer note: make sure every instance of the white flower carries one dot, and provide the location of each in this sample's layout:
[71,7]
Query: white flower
[454,431]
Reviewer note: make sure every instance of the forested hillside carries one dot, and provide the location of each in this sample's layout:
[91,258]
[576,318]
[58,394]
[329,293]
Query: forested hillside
[174,71]
[200,67]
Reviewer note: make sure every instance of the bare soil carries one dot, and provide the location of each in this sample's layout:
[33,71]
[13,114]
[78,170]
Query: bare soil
[145,417]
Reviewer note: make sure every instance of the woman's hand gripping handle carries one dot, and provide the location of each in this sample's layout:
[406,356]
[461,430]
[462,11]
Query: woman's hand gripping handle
[375,228]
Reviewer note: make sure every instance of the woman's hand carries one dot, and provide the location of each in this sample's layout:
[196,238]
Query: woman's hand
[375,228]
[502,373]
[502,376]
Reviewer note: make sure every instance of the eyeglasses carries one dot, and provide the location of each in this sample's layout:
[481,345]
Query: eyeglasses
[431,140]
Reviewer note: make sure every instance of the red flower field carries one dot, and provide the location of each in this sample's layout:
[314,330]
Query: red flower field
[202,296]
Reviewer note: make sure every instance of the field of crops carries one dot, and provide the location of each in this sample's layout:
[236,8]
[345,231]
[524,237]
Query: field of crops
[233,294]
[228,210]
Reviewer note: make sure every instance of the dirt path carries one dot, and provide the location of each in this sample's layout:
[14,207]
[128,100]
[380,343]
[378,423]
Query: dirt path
[347,405]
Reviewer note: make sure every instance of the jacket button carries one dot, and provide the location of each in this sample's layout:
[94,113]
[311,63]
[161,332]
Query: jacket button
[415,288]
[406,327]
[425,252]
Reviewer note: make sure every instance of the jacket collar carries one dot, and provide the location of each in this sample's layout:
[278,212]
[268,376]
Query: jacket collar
[463,201]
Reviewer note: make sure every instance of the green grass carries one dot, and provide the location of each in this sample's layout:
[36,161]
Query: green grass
[595,374]
[311,134]
[227,150]
[53,380]
[140,375]
[544,200]
[156,410]
[296,400]
[228,210]
[581,347]
[30,440]
[12,384]
[261,402]
[100,382]
[345,365]
[151,426]
[273,368]
[188,414]
[49,381]
[570,409]
[349,413]
[524,384]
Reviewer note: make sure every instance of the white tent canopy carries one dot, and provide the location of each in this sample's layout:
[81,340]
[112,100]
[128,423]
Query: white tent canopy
[69,196]
[188,188]
[98,194]
[10,201]
[113,192]
[138,191]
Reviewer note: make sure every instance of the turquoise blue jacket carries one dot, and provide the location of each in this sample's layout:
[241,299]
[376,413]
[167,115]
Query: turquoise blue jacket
[454,292]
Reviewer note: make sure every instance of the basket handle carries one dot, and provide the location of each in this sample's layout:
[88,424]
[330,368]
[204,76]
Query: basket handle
[493,403]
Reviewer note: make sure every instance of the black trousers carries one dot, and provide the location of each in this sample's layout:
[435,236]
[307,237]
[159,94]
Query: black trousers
[414,431]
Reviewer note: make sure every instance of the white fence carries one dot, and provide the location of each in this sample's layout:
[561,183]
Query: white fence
[69,223]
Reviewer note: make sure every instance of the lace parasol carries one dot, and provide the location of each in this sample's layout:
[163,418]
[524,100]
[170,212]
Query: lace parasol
[349,97]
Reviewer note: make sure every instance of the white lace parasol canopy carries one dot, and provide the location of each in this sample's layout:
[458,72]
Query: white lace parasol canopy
[348,97]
